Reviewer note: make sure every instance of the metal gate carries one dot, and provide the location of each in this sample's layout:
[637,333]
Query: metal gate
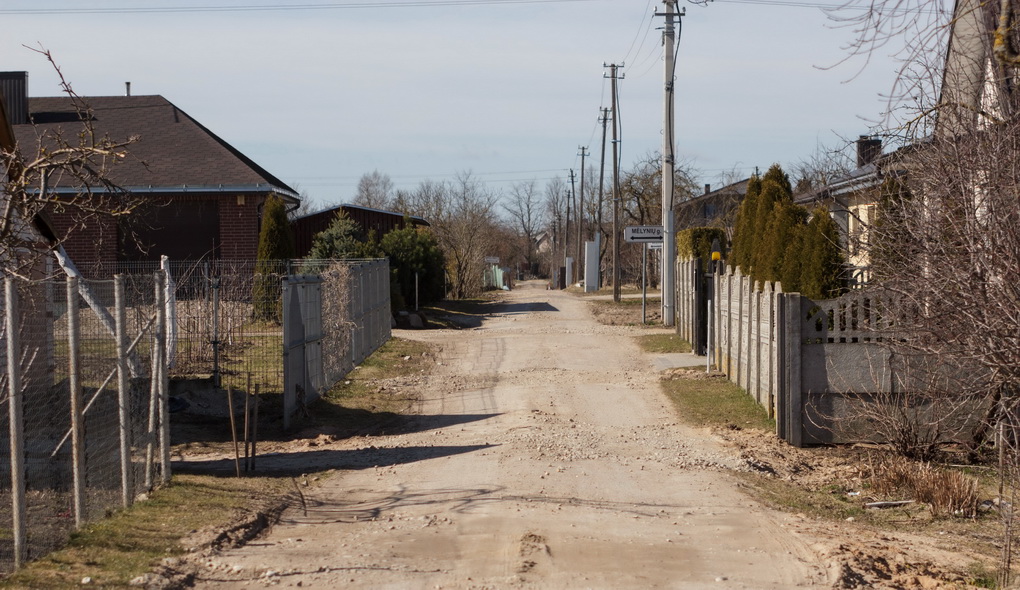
[302,343]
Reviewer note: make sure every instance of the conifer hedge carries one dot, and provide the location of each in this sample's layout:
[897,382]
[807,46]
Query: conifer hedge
[776,240]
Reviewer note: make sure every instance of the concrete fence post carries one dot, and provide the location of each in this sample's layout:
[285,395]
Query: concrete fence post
[792,352]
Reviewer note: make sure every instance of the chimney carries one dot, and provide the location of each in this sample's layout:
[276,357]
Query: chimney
[127,88]
[14,88]
[708,188]
[868,150]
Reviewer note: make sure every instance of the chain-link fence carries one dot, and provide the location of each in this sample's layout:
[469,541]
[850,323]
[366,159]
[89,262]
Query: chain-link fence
[85,410]
[333,320]
[90,369]
[227,327]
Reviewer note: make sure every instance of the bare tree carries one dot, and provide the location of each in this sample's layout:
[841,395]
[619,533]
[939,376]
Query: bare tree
[641,194]
[826,165]
[75,156]
[462,215]
[375,190]
[524,207]
[556,195]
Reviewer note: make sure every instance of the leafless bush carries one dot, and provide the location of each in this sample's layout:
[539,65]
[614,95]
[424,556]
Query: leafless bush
[945,492]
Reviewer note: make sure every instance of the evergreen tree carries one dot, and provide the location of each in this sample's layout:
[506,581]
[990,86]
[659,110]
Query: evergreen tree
[823,262]
[781,229]
[276,243]
[775,174]
[766,251]
[276,240]
[777,243]
[890,249]
[344,238]
[415,251]
[743,232]
[793,260]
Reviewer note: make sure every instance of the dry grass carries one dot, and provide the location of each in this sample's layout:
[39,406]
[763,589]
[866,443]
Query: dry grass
[946,492]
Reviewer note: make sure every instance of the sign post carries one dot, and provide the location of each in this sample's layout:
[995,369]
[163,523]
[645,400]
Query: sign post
[646,235]
[642,233]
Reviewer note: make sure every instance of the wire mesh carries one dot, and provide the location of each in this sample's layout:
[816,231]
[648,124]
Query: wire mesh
[226,320]
[45,436]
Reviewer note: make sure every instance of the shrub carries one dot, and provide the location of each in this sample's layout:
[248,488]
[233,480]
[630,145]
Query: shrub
[415,251]
[276,242]
[697,242]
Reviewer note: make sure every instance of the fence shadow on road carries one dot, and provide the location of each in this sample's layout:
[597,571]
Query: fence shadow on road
[528,307]
[286,464]
[365,504]
[462,314]
[423,423]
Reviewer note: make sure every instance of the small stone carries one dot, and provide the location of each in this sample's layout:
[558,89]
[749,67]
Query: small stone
[86,580]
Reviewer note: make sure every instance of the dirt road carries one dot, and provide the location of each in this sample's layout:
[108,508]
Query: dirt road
[545,456]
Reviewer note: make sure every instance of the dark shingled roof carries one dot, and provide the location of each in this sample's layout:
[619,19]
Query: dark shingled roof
[173,150]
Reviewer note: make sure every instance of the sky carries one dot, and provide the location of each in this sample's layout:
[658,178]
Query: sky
[320,92]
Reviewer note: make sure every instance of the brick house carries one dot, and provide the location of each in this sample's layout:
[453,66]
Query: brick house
[201,197]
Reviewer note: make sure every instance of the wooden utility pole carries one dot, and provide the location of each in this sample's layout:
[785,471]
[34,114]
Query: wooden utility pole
[614,76]
[668,270]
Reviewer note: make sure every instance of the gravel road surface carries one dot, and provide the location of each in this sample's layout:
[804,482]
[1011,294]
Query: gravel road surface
[545,456]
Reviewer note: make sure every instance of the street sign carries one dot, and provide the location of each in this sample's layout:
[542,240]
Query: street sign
[655,245]
[642,233]
[491,260]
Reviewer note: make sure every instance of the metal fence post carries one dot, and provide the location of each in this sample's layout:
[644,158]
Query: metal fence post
[17,430]
[288,375]
[216,330]
[150,431]
[77,407]
[160,371]
[123,383]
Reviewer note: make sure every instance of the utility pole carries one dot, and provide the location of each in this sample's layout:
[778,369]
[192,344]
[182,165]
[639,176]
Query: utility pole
[668,269]
[579,246]
[570,201]
[616,182]
[566,233]
[602,185]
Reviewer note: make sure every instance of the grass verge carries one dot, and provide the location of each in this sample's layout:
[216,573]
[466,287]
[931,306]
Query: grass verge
[712,401]
[367,399]
[663,343]
[131,542]
[115,550]
[833,483]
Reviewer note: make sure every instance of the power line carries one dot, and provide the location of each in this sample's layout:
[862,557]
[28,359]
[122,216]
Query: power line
[280,7]
[830,6]
[638,34]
